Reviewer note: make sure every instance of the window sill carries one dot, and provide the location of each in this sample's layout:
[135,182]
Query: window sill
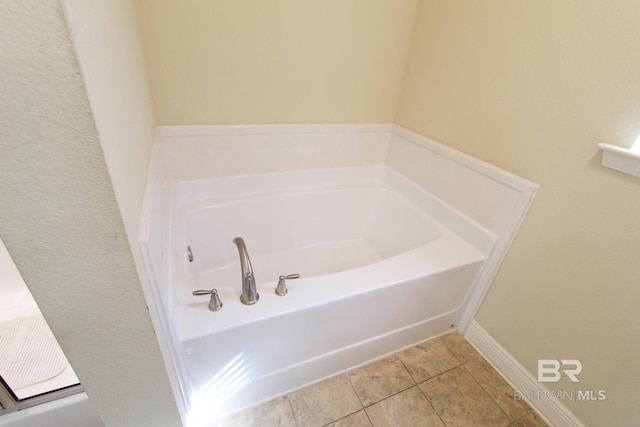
[620,158]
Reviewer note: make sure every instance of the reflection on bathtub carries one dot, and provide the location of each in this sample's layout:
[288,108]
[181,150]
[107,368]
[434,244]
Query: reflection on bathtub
[213,395]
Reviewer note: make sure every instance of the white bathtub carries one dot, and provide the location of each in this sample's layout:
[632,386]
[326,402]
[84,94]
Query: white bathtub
[383,265]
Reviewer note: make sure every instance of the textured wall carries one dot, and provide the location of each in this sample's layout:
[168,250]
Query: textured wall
[60,221]
[281,61]
[532,86]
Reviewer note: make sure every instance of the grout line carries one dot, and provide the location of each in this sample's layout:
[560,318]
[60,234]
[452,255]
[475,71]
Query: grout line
[295,417]
[368,417]
[346,416]
[415,383]
[354,388]
[511,421]
[391,395]
[429,401]
[351,413]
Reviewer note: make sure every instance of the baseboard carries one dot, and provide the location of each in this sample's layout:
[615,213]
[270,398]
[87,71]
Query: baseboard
[551,410]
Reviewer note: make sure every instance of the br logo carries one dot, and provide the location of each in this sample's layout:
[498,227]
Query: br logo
[550,370]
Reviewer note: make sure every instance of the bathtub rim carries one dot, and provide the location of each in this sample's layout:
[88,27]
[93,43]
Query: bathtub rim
[477,243]
[195,320]
[479,237]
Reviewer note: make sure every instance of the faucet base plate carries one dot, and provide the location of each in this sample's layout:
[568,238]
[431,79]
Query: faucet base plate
[251,301]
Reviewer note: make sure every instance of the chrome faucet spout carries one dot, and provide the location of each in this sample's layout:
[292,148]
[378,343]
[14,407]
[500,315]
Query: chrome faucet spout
[249,294]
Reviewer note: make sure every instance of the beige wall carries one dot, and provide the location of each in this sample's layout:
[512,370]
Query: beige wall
[532,86]
[59,217]
[281,61]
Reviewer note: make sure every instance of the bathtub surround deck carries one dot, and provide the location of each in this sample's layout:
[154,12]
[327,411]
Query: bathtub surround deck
[472,203]
[442,382]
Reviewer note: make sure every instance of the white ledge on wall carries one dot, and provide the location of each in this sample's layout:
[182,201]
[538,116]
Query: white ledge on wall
[620,158]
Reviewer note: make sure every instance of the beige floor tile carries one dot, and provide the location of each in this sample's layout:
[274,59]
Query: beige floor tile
[460,401]
[459,346]
[409,408]
[530,420]
[428,360]
[275,413]
[380,379]
[359,419]
[324,402]
[499,390]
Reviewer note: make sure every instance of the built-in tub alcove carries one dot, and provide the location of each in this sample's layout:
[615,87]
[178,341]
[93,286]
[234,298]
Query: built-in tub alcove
[396,237]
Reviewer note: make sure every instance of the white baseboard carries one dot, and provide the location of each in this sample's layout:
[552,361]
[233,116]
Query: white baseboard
[551,410]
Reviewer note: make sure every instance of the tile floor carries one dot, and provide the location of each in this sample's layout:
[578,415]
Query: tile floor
[442,382]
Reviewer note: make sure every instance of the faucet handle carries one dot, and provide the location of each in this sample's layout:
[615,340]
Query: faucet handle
[281,289]
[214,304]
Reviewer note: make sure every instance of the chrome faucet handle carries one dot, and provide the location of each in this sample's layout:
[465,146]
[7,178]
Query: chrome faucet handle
[214,304]
[281,289]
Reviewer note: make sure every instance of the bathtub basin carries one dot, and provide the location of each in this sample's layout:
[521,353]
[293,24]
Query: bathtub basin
[383,266]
